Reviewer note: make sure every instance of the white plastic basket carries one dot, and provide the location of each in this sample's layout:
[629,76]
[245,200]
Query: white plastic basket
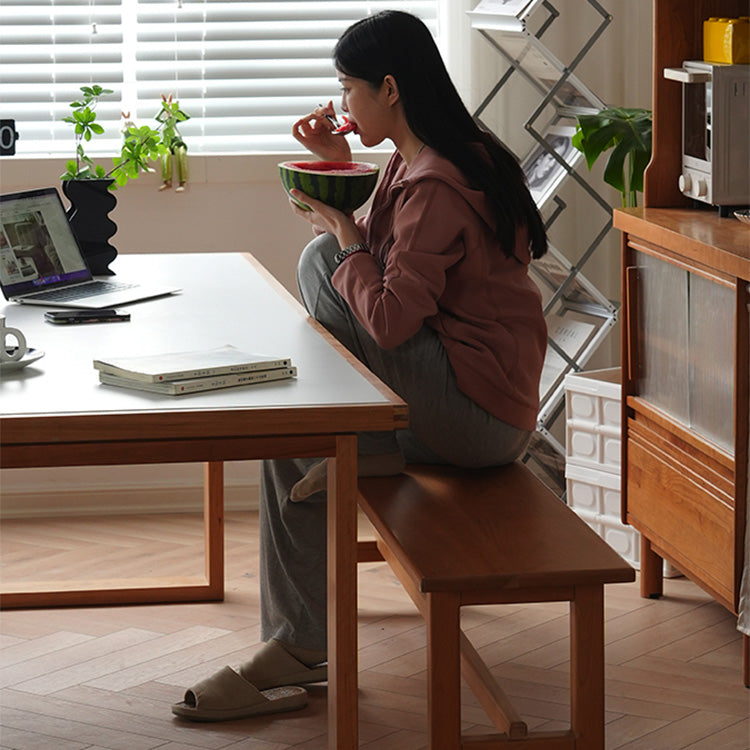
[594,398]
[592,419]
[595,497]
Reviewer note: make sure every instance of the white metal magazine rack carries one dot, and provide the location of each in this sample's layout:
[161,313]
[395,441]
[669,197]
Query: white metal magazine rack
[578,315]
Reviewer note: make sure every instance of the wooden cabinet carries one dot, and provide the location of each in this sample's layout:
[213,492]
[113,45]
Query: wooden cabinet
[685,350]
[685,393]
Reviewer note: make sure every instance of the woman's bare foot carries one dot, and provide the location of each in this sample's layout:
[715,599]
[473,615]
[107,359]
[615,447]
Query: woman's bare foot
[367,466]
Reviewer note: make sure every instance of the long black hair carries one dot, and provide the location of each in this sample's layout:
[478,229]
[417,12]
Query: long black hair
[399,44]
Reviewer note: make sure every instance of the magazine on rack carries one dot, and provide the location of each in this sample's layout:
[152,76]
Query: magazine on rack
[543,171]
[555,270]
[571,337]
[157,368]
[539,64]
[507,15]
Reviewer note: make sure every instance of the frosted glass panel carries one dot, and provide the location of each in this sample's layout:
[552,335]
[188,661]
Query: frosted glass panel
[663,305]
[686,325]
[711,346]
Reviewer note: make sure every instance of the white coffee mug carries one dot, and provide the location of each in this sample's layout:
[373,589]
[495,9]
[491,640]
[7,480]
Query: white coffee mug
[7,351]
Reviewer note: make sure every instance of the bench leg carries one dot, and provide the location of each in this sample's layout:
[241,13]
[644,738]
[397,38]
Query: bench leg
[587,667]
[443,672]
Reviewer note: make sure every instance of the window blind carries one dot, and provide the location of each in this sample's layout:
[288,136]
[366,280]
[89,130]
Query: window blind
[244,70]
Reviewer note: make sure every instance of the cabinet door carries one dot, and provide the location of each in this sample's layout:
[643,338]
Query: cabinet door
[686,357]
[662,377]
[711,375]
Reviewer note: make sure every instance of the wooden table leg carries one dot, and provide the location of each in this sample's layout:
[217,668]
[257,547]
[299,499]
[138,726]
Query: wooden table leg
[342,596]
[213,521]
[93,592]
[587,667]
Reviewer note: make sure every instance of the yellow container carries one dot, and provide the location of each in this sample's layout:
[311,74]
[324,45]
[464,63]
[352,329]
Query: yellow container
[727,40]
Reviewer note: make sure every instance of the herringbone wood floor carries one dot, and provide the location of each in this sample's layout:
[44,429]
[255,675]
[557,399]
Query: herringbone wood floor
[89,679]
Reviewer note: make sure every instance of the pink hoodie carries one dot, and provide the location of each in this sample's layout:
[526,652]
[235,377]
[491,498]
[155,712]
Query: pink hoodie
[434,260]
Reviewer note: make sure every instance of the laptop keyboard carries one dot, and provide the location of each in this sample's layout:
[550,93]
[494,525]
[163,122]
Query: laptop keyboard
[84,291]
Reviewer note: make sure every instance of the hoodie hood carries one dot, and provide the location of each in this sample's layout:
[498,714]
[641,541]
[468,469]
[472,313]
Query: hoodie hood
[430,165]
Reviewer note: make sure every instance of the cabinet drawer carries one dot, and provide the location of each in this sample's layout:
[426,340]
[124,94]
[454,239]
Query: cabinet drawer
[684,516]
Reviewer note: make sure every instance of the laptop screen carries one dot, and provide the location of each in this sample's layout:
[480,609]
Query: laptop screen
[37,247]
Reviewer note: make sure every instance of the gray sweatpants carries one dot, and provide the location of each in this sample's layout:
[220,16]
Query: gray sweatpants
[445,426]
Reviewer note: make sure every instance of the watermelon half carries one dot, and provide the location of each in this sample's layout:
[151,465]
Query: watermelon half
[345,185]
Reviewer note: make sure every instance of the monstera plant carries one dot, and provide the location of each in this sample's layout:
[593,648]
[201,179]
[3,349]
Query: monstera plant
[628,132]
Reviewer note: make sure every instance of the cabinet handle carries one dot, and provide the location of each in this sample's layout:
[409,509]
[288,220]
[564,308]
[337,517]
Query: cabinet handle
[631,324]
[683,75]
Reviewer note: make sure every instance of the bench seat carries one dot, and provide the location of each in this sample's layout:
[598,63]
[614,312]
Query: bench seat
[457,537]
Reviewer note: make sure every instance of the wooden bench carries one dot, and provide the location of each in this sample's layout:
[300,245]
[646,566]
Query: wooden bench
[469,537]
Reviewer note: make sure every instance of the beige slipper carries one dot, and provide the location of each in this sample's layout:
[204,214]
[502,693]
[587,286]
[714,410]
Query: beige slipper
[227,695]
[273,666]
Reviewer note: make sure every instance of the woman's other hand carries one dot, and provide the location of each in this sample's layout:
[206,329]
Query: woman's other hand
[325,218]
[314,132]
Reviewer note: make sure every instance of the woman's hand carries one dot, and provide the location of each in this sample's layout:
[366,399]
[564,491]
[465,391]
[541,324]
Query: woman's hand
[325,218]
[314,132]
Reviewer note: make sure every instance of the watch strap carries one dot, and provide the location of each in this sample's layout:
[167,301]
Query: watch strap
[342,255]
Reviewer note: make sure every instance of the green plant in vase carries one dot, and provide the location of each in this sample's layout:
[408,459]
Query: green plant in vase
[628,132]
[140,145]
[88,185]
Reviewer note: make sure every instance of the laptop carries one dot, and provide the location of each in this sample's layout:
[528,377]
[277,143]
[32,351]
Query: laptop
[41,262]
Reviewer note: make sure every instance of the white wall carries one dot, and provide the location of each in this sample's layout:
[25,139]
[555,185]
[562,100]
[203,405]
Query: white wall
[236,204]
[232,203]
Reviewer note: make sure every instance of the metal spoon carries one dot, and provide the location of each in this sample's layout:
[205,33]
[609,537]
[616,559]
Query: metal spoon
[347,127]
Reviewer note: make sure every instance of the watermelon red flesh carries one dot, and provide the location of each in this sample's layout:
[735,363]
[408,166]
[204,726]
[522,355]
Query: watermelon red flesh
[345,128]
[345,167]
[344,185]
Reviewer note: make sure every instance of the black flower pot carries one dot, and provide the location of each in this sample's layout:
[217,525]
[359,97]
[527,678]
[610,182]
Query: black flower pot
[90,202]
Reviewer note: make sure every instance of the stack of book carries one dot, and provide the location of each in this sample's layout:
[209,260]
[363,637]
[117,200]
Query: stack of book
[177,373]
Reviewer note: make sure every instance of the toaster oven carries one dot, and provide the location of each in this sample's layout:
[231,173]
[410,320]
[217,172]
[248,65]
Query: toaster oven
[715,133]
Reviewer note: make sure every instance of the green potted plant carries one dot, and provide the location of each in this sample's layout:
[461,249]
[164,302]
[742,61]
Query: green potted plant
[140,145]
[88,185]
[628,132]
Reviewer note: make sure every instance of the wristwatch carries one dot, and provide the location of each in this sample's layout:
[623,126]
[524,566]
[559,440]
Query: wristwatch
[342,255]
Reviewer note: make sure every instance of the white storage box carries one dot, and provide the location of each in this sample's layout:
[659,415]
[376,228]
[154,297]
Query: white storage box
[593,492]
[594,446]
[592,419]
[624,540]
[593,398]
[595,497]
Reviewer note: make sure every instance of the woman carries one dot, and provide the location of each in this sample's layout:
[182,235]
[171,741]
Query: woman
[430,290]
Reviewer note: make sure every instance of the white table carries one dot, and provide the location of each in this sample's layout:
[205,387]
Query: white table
[55,413]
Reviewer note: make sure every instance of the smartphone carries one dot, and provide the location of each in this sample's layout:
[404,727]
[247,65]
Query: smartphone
[85,316]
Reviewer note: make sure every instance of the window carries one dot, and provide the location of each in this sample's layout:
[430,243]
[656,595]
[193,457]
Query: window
[243,70]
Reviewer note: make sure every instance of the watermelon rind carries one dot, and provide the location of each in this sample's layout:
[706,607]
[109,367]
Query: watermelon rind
[346,189]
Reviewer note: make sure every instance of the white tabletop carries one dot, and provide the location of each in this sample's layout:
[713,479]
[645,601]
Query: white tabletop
[224,300]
